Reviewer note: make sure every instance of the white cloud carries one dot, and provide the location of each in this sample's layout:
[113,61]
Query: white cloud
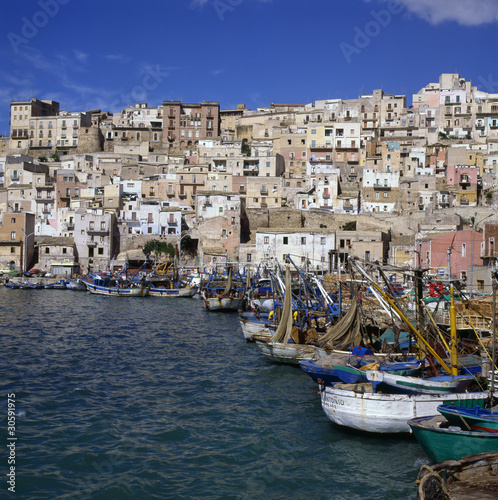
[464,12]
[118,57]
[80,56]
[201,3]
[217,72]
[198,3]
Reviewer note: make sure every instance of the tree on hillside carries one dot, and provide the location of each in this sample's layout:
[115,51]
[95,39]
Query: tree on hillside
[158,248]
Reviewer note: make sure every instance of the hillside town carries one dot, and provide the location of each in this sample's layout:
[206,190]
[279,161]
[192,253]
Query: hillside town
[405,184]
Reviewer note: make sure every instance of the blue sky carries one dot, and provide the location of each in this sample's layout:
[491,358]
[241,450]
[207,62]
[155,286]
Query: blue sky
[108,54]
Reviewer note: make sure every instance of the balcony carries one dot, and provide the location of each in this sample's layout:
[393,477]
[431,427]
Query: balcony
[264,192]
[99,231]
[464,182]
[173,223]
[382,187]
[91,243]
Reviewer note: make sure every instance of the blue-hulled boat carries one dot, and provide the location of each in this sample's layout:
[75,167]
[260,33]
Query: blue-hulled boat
[475,418]
[107,285]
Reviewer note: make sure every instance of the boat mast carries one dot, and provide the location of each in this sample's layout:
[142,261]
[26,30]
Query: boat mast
[494,282]
[453,329]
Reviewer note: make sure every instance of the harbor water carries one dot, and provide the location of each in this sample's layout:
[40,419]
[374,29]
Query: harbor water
[154,398]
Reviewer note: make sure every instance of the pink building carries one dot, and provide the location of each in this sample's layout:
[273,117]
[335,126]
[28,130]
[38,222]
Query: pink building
[434,254]
[461,175]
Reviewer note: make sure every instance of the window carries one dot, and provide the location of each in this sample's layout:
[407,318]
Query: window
[286,240]
[266,240]
[13,235]
[303,240]
[323,240]
[13,220]
[64,250]
[47,250]
[91,225]
[464,250]
[249,257]
[100,251]
[224,233]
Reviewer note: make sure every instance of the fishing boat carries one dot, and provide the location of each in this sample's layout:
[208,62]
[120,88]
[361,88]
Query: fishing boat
[58,285]
[289,353]
[76,285]
[255,324]
[12,285]
[229,298]
[106,285]
[441,384]
[162,288]
[476,418]
[27,285]
[296,340]
[473,476]
[442,440]
[357,407]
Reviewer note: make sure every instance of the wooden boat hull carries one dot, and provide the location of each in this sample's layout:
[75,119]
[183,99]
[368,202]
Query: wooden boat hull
[173,292]
[290,353]
[223,303]
[386,413]
[446,442]
[251,326]
[477,418]
[116,291]
[320,374]
[418,385]
[76,286]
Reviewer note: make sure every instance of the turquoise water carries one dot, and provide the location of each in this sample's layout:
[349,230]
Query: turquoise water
[138,398]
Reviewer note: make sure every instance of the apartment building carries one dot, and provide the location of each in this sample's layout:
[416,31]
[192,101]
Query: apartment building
[185,124]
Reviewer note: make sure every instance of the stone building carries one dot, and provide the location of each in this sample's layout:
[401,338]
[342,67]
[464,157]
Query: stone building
[184,125]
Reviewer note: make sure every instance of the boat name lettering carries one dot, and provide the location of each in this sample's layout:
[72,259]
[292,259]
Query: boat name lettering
[334,402]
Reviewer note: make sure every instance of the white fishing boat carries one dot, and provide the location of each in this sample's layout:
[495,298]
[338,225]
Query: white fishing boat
[158,290]
[357,407]
[252,327]
[76,285]
[107,286]
[290,353]
[220,303]
[442,384]
[231,298]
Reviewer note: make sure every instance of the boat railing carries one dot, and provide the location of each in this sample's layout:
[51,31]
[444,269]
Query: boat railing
[462,322]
